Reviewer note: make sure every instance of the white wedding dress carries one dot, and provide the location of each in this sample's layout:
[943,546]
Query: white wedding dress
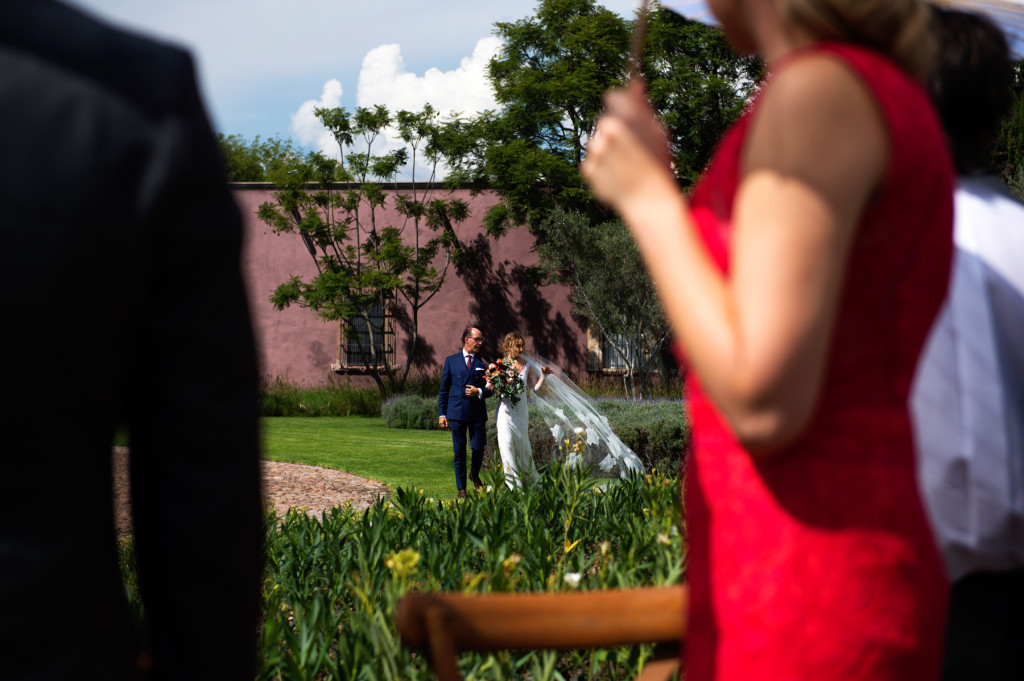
[513,423]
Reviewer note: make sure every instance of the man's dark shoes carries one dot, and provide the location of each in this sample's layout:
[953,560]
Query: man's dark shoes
[462,494]
[477,483]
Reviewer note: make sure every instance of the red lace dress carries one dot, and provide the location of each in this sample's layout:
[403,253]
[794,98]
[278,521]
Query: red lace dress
[820,564]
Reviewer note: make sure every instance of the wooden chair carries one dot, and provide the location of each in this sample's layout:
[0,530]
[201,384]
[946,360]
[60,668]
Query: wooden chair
[442,625]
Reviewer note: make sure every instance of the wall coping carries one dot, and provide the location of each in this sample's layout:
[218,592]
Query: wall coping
[269,186]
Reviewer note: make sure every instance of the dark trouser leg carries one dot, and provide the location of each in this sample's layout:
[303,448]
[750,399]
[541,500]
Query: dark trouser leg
[985,634]
[477,442]
[459,445]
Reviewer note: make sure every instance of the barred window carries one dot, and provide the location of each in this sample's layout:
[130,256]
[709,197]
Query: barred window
[364,338]
[618,351]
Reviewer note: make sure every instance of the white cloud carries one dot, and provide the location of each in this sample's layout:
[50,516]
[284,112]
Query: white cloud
[465,90]
[307,127]
[384,80]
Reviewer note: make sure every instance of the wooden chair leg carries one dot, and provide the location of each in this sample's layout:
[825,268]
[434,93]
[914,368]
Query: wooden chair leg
[658,670]
[440,644]
[662,665]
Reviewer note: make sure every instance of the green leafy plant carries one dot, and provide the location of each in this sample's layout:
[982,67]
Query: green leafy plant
[332,583]
[281,398]
[410,411]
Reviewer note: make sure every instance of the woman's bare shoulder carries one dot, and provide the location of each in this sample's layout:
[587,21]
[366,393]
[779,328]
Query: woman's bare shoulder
[818,121]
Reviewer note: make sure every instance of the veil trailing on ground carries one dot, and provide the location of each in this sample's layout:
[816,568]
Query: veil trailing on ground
[570,414]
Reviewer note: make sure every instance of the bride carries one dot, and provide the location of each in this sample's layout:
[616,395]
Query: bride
[513,419]
[569,414]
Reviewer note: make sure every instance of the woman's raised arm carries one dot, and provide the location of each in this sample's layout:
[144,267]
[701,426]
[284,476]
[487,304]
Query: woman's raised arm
[758,338]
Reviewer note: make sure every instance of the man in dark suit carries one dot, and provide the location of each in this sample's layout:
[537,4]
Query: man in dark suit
[461,405]
[124,304]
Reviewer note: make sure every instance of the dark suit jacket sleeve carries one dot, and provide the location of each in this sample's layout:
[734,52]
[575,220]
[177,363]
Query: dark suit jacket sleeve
[116,212]
[446,384]
[195,456]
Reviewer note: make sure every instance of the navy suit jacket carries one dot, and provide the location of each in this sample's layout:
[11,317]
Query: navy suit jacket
[451,400]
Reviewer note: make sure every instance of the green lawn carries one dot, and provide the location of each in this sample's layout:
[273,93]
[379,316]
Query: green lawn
[364,446]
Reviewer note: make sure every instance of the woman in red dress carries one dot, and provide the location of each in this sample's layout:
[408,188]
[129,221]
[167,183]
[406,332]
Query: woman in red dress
[801,278]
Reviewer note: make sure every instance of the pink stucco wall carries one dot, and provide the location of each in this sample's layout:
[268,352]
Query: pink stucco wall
[297,345]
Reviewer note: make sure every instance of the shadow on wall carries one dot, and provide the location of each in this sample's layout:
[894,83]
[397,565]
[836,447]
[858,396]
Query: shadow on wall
[491,288]
[318,356]
[553,337]
[425,355]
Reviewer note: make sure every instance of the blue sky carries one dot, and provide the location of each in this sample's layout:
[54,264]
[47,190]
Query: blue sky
[261,61]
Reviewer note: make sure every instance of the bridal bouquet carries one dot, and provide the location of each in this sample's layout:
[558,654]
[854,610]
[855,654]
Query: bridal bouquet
[505,380]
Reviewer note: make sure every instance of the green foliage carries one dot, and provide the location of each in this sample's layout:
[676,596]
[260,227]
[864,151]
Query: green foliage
[255,161]
[697,84]
[332,585]
[657,430]
[281,398]
[610,386]
[362,263]
[550,79]
[1016,183]
[410,411]
[1009,152]
[130,576]
[611,287]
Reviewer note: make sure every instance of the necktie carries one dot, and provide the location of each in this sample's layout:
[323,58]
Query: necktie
[469,362]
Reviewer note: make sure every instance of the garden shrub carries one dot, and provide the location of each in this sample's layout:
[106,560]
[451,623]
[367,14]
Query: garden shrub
[282,398]
[410,411]
[331,585]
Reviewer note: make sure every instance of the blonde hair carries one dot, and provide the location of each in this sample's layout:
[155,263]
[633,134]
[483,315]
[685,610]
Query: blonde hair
[898,29]
[512,339]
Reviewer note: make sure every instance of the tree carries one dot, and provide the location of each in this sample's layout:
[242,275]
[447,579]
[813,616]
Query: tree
[610,286]
[698,86]
[1009,152]
[550,78]
[366,267]
[255,161]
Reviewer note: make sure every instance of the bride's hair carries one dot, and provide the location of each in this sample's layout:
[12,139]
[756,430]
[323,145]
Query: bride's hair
[512,339]
[898,29]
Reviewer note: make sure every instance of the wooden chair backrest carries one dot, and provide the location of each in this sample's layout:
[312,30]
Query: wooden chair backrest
[442,625]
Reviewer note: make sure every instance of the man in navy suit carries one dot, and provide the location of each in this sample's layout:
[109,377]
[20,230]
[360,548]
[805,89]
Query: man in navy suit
[461,405]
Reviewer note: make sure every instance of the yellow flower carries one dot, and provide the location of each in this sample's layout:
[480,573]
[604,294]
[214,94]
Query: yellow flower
[403,564]
[606,546]
[509,564]
[570,546]
[470,581]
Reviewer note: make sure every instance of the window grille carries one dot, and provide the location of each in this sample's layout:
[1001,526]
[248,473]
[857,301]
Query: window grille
[366,338]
